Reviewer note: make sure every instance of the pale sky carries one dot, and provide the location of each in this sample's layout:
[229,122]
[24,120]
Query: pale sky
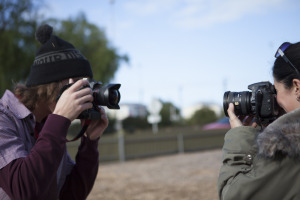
[189,51]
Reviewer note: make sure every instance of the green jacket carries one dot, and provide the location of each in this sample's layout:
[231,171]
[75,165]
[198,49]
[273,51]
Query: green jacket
[262,165]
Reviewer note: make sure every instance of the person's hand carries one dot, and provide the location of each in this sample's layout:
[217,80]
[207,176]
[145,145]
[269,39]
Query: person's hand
[233,119]
[74,100]
[96,127]
[239,121]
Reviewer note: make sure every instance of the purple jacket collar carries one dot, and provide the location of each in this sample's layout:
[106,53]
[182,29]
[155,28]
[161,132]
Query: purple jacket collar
[12,103]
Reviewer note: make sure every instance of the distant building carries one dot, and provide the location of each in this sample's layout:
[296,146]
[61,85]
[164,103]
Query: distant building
[140,110]
[128,110]
[189,111]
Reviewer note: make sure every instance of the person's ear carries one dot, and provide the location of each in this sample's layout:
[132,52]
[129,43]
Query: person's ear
[296,84]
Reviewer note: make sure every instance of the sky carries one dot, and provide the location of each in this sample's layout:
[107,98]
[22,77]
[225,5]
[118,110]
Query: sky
[189,51]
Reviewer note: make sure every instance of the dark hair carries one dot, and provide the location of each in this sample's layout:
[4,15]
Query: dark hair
[282,71]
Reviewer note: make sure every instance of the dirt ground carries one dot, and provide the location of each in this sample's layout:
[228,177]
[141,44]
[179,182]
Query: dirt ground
[188,176]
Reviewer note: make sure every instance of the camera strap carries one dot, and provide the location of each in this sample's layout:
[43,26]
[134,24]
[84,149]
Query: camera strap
[82,131]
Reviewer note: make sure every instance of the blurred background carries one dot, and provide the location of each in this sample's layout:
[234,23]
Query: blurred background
[174,60]
[185,53]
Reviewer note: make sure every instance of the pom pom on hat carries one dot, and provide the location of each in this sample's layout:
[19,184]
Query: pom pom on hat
[56,60]
[43,33]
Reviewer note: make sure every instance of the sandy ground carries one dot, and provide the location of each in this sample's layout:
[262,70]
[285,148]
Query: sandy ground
[189,176]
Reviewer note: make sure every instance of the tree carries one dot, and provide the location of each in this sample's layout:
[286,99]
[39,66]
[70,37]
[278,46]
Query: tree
[169,114]
[130,124]
[18,24]
[17,28]
[203,116]
[92,43]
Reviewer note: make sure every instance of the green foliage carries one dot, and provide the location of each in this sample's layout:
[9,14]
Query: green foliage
[130,124]
[17,28]
[203,116]
[169,114]
[111,126]
[92,43]
[18,23]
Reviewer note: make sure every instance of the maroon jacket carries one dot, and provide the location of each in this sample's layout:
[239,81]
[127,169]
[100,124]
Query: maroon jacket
[43,171]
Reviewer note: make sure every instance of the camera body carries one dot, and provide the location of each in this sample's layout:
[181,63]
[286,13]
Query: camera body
[261,102]
[107,95]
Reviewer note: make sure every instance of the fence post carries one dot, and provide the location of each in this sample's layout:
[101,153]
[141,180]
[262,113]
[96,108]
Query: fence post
[121,141]
[121,146]
[180,143]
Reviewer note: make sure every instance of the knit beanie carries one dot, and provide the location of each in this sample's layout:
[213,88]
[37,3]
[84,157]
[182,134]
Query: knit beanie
[56,60]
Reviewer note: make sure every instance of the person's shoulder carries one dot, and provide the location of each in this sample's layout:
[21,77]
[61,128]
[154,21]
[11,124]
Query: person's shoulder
[10,105]
[8,99]
[282,135]
[4,108]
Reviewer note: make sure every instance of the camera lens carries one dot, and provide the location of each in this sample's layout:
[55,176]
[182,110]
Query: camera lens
[114,97]
[108,95]
[240,100]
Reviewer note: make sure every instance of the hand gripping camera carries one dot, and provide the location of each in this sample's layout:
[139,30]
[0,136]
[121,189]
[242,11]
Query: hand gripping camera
[107,95]
[261,102]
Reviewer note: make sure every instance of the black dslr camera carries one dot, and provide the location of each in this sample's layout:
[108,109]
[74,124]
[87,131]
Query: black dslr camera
[261,102]
[107,95]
